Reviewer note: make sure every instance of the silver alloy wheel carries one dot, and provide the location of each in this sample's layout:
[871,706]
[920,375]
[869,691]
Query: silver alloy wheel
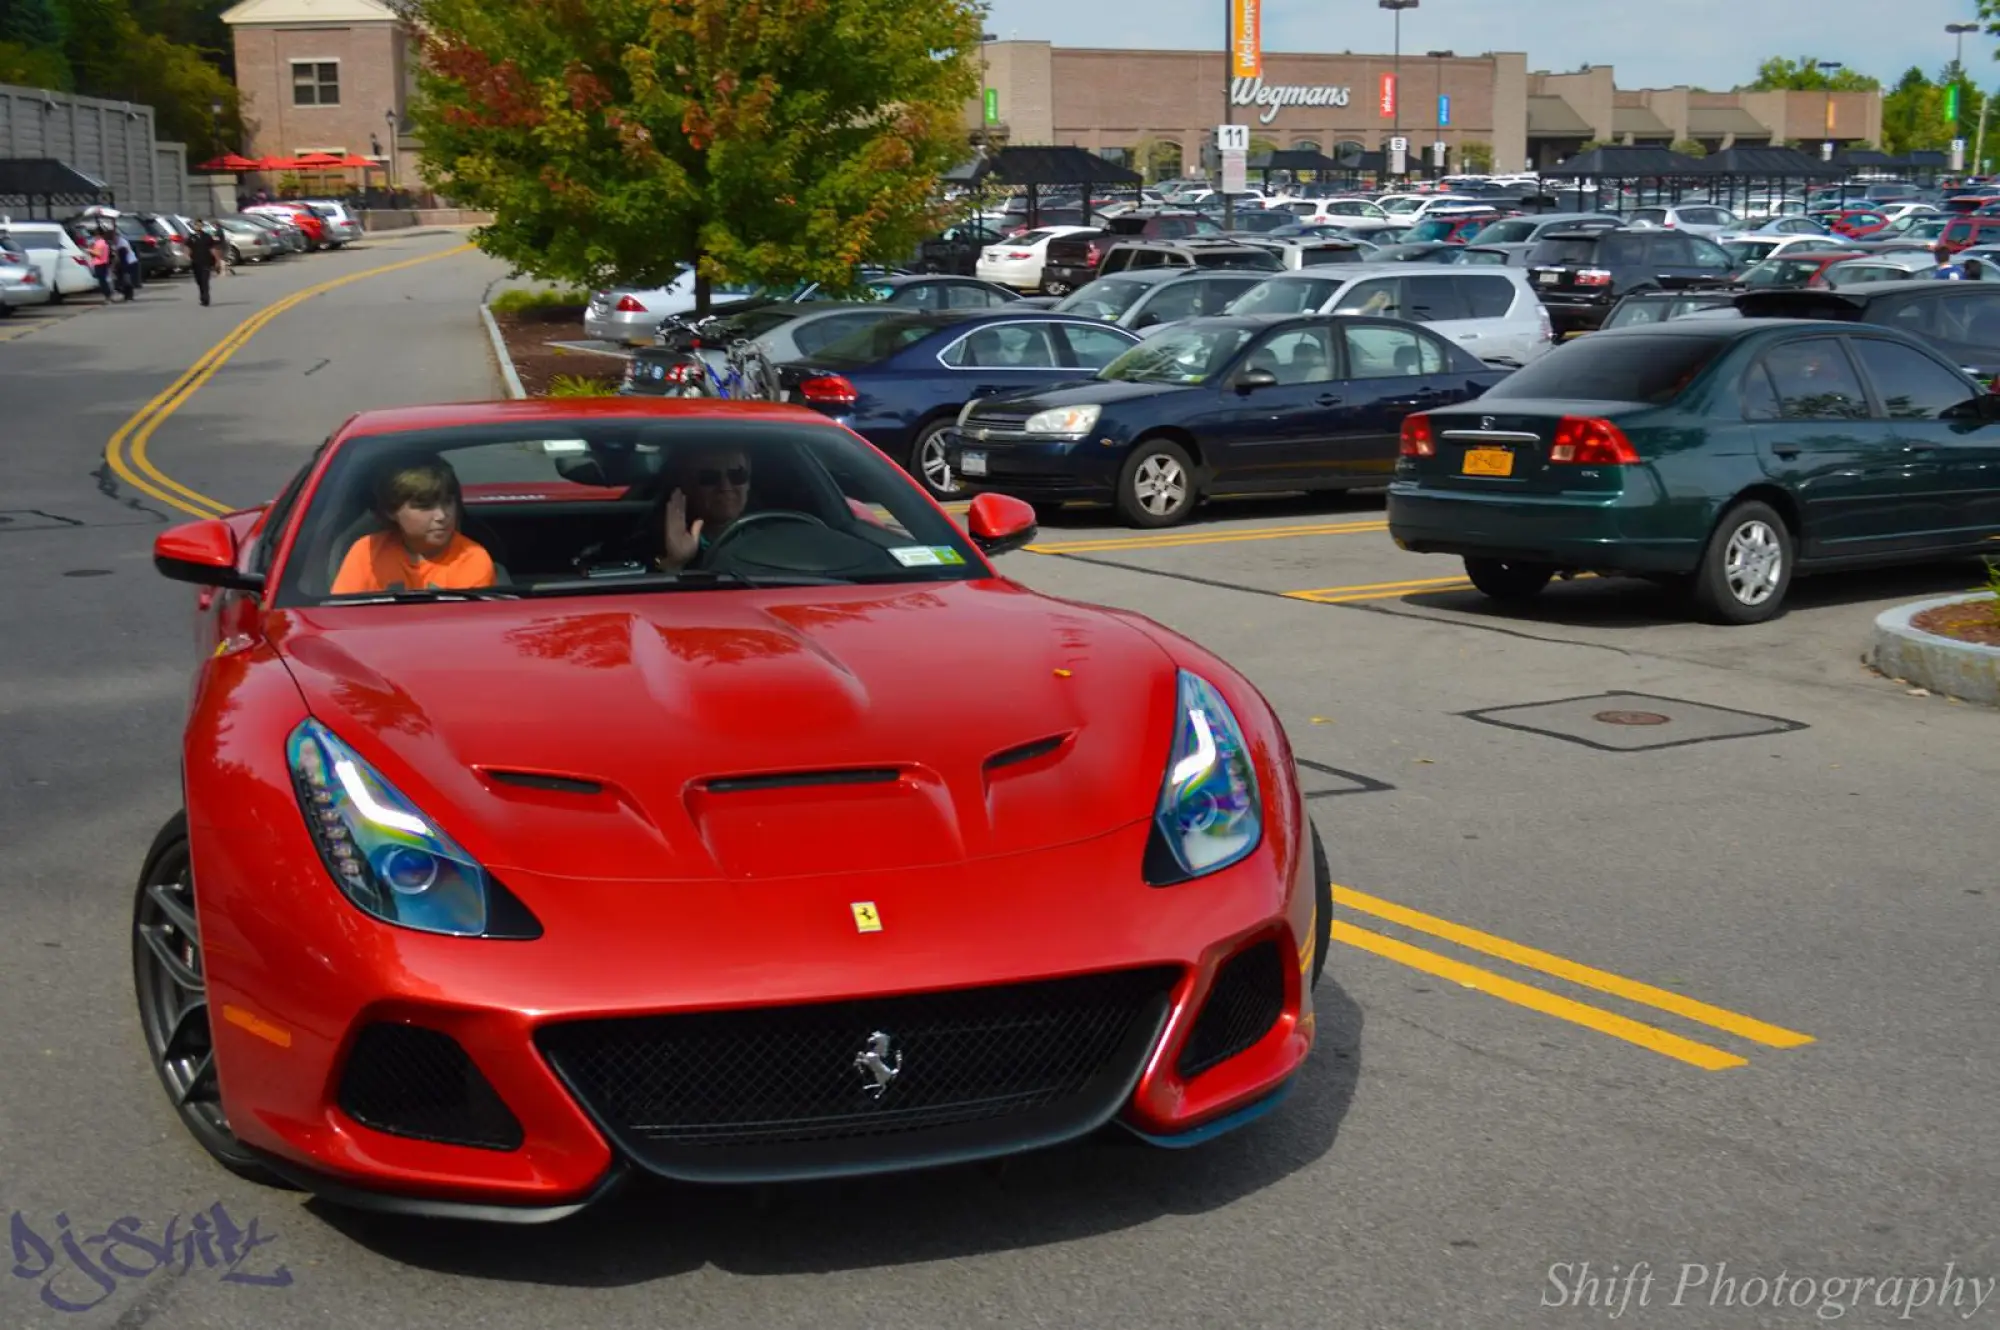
[936,468]
[174,996]
[1753,563]
[1160,484]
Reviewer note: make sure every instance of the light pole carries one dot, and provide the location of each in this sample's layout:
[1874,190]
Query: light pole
[1396,79]
[1958,30]
[389,119]
[1438,109]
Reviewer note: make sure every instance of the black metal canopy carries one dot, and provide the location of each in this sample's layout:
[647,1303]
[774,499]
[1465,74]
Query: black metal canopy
[1766,164]
[48,181]
[1052,165]
[1294,159]
[1622,163]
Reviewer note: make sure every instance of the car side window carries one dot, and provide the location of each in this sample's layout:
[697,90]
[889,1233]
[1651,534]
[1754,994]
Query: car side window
[1092,348]
[1671,250]
[1708,254]
[1378,296]
[1814,381]
[1486,297]
[824,332]
[1760,399]
[1295,355]
[1006,346]
[280,512]
[1620,251]
[1118,260]
[1434,299]
[962,296]
[1911,385]
[1375,351]
[1216,293]
[1177,300]
[1977,316]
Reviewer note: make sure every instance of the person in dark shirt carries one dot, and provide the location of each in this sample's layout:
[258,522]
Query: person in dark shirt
[205,250]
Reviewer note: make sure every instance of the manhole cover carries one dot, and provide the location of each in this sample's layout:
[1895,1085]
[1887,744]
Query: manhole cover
[1630,718]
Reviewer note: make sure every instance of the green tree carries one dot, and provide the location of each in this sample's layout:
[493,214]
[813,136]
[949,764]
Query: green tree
[1688,148]
[1476,156]
[760,140]
[1805,75]
[30,23]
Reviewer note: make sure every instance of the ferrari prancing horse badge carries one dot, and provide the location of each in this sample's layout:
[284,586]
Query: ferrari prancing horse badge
[866,920]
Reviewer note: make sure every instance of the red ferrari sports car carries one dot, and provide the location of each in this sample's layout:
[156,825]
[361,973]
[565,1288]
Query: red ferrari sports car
[586,790]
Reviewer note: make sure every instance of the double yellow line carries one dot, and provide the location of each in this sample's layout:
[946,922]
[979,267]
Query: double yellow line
[126,455]
[1344,595]
[1178,539]
[1665,1042]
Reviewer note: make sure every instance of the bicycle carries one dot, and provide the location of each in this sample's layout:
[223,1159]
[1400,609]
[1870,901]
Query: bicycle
[749,374]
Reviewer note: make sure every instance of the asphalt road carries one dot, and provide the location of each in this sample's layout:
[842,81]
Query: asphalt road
[1715,995]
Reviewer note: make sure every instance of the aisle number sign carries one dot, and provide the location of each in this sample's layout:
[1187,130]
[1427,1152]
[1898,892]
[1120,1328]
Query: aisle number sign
[1232,138]
[1246,39]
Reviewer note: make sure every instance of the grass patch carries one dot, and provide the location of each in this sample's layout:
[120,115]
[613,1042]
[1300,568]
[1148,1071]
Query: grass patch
[577,385]
[521,301]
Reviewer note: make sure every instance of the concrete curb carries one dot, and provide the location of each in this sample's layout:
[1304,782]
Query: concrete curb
[505,361]
[1965,670]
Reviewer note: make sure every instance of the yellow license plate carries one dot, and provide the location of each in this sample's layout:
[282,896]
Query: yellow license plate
[1489,462]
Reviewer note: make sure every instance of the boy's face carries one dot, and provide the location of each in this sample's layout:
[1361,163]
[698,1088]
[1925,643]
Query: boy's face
[428,527]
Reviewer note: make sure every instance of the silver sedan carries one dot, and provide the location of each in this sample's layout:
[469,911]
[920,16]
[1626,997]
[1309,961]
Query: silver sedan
[20,281]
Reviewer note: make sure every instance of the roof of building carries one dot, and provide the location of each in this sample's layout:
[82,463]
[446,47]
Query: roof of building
[1552,117]
[1639,121]
[1715,121]
[308,11]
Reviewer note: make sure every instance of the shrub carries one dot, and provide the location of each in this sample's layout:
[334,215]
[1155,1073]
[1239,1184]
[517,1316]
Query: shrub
[577,385]
[520,302]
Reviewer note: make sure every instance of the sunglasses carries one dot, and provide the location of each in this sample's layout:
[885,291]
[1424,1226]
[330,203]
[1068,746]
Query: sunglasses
[710,479]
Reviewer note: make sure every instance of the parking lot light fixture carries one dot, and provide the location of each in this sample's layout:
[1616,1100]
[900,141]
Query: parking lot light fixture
[1396,102]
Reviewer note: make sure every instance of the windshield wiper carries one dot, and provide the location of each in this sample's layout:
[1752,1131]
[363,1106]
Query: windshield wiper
[688,579]
[433,594]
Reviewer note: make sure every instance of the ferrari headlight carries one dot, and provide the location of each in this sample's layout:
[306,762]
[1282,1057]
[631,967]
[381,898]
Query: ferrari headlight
[1064,420]
[389,859]
[1208,815]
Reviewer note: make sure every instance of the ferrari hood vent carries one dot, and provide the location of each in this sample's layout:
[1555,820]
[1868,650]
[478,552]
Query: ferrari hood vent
[1027,752]
[542,780]
[780,780]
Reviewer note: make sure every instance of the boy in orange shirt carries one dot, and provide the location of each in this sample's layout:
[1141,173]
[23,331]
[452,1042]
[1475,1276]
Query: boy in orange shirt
[422,546]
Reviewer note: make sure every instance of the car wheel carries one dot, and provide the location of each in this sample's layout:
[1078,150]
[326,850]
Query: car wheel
[1322,907]
[235,256]
[1056,288]
[1157,486]
[1747,568]
[928,464]
[1502,580]
[171,982]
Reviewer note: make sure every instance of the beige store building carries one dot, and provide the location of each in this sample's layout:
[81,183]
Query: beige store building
[1165,104]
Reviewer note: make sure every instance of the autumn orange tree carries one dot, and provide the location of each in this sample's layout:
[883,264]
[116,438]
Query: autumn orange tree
[760,140]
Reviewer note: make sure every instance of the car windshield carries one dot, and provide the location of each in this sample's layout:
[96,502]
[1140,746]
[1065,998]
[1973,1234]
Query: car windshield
[1511,232]
[1564,250]
[1435,228]
[549,507]
[1291,295]
[1749,251]
[1781,272]
[1644,367]
[1187,355]
[1630,312]
[1105,298]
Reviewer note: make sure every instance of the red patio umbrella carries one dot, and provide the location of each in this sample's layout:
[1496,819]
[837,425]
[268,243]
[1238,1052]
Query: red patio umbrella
[231,162]
[315,161]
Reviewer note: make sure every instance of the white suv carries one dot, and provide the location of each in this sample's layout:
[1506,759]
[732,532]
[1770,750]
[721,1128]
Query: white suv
[1491,311]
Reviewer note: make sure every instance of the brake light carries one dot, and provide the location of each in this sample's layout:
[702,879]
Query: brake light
[630,305]
[1094,255]
[1593,277]
[828,390]
[1020,253]
[1590,441]
[1417,440]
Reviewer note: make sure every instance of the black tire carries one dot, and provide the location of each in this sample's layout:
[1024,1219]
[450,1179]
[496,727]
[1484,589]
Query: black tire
[1747,567]
[176,1037]
[235,256]
[924,469]
[56,297]
[1322,906]
[1149,495]
[1507,581]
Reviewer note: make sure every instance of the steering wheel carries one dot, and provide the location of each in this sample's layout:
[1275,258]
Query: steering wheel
[748,520]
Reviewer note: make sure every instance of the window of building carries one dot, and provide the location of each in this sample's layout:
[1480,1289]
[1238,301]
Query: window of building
[315,83]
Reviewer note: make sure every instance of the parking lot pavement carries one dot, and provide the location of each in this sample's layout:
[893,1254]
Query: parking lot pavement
[28,320]
[1657,942]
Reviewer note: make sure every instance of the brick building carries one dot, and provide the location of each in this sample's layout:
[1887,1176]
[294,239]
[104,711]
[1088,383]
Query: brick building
[1127,104]
[329,76]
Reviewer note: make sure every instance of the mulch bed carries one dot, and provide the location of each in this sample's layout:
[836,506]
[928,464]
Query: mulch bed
[1972,621]
[528,334]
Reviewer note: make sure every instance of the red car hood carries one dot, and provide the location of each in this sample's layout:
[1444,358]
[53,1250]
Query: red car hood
[597,736]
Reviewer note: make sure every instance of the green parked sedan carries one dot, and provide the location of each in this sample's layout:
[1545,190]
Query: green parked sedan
[1719,457]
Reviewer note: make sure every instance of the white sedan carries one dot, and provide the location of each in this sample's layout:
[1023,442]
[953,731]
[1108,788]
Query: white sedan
[60,260]
[1017,263]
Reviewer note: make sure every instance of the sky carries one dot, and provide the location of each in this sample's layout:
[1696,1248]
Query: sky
[1714,44]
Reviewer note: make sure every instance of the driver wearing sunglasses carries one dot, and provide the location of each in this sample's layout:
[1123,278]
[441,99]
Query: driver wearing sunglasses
[711,490]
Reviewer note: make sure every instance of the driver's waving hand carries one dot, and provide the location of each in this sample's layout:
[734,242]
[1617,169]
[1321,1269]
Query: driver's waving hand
[710,491]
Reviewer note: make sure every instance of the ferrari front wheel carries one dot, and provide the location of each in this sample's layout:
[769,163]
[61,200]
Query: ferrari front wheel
[172,986]
[1322,907]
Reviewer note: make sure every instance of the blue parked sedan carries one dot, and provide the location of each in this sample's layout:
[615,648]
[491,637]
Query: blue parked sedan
[900,382]
[1275,402]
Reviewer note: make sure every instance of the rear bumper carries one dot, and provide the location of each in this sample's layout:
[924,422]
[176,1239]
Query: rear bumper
[1569,311]
[1588,533]
[1066,274]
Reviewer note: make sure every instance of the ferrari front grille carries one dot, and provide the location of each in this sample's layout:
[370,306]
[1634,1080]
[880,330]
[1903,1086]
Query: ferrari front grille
[802,1090]
[410,1081]
[1246,1001]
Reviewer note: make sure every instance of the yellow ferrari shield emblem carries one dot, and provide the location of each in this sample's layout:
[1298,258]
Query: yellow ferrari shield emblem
[866,919]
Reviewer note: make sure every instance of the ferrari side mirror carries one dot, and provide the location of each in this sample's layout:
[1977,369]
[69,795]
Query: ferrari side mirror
[1000,522]
[203,553]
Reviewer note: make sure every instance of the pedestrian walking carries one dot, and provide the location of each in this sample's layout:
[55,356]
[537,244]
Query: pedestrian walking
[126,261]
[100,263]
[206,255]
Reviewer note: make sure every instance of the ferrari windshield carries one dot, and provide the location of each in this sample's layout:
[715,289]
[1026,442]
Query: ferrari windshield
[549,506]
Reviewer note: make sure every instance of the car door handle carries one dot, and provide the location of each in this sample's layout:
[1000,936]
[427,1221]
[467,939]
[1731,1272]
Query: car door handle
[1327,399]
[1787,453]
